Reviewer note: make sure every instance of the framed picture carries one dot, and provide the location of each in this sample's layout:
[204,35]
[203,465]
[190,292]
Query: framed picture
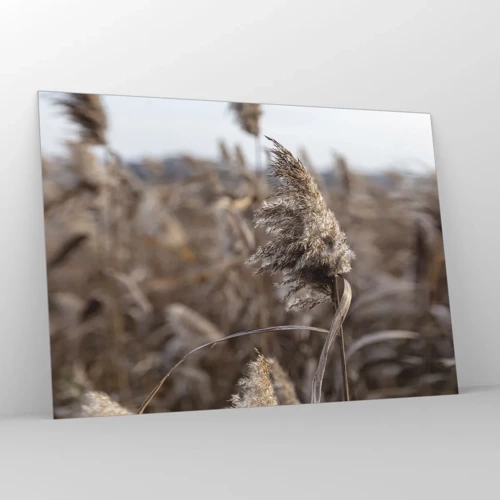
[210,255]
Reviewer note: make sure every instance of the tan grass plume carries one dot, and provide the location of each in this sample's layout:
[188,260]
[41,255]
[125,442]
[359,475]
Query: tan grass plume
[256,388]
[248,116]
[308,246]
[87,111]
[99,404]
[282,385]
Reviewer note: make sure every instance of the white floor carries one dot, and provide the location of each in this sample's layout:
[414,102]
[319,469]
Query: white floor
[423,448]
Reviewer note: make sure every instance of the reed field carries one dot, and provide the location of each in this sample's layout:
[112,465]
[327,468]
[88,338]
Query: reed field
[334,278]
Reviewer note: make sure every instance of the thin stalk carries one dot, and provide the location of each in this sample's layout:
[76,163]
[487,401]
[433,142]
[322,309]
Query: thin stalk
[258,162]
[154,392]
[335,328]
[340,341]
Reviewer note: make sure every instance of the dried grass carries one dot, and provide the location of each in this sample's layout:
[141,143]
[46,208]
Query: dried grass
[308,247]
[174,246]
[256,388]
[248,116]
[87,111]
[98,404]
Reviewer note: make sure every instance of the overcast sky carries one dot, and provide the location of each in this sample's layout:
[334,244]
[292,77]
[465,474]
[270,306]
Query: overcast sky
[154,127]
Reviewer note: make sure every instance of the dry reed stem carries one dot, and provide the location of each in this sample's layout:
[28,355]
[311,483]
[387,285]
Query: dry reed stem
[335,328]
[346,180]
[341,341]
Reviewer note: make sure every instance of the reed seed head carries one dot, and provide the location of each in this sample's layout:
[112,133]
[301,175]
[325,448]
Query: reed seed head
[99,404]
[87,111]
[248,116]
[308,246]
[282,385]
[256,388]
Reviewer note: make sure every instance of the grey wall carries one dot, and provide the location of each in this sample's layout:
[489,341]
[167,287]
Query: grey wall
[437,56]
[443,448]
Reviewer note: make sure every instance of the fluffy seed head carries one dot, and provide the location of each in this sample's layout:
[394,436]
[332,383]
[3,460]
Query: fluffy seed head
[256,388]
[87,111]
[248,116]
[98,404]
[282,385]
[308,246]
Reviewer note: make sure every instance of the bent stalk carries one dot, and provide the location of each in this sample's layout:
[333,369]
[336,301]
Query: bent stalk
[335,330]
